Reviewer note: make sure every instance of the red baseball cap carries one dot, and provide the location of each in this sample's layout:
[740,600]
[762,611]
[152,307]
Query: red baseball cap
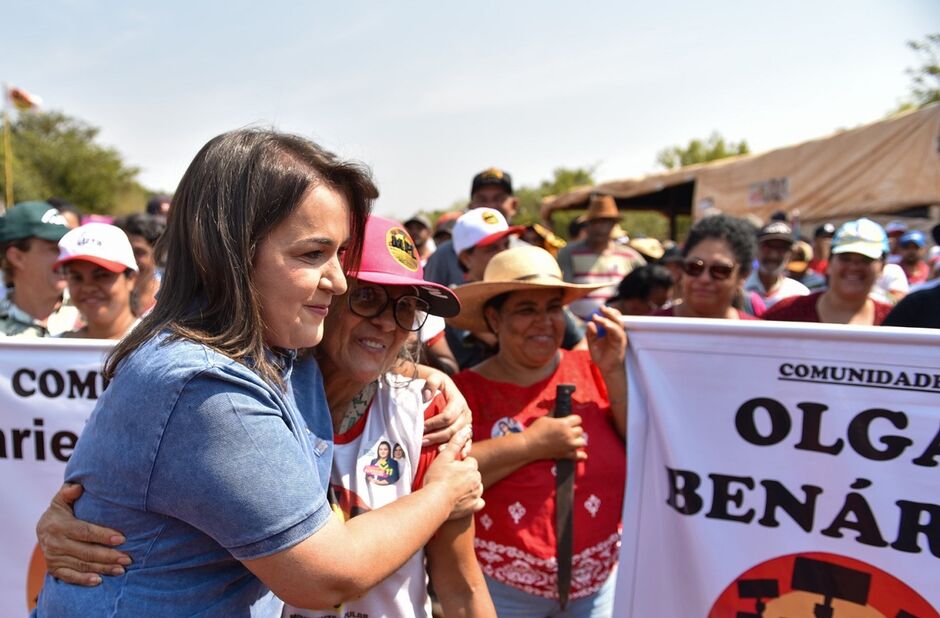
[389,257]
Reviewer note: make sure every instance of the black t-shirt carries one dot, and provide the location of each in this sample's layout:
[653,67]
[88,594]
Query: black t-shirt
[920,309]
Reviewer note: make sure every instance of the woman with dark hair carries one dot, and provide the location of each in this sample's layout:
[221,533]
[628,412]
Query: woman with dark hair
[144,231]
[717,258]
[101,272]
[383,469]
[374,407]
[645,289]
[211,448]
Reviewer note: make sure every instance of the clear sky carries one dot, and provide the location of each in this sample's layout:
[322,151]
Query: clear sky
[429,93]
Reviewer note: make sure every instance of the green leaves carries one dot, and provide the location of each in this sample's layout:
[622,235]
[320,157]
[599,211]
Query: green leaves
[55,155]
[701,151]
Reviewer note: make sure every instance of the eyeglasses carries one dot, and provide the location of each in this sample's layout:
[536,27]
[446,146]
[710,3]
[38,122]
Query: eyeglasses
[718,272]
[369,301]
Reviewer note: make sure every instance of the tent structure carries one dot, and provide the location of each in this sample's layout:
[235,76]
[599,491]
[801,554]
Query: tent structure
[884,167]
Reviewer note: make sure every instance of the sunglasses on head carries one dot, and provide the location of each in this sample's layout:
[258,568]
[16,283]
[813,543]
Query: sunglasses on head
[718,272]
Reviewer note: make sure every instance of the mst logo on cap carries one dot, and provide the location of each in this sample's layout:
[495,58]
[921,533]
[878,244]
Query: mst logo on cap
[490,218]
[401,248]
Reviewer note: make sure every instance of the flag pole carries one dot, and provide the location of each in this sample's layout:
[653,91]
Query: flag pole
[7,150]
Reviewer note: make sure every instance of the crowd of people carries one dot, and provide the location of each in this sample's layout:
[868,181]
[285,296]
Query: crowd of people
[280,435]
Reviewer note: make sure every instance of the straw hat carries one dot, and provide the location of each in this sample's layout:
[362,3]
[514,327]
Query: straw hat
[602,207]
[802,256]
[519,268]
[649,247]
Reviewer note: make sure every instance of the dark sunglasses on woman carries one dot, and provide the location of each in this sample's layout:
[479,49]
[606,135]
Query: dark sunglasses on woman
[717,271]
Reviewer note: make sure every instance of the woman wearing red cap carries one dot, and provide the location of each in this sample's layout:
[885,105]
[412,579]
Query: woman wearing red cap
[376,401]
[101,272]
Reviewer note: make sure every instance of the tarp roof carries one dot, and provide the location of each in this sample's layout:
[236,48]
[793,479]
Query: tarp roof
[885,166]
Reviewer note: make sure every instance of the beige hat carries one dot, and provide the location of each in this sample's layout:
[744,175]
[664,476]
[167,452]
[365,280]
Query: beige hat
[649,247]
[602,207]
[519,268]
[802,256]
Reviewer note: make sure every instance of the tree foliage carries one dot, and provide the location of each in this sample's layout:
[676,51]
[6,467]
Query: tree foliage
[925,77]
[55,155]
[701,151]
[563,179]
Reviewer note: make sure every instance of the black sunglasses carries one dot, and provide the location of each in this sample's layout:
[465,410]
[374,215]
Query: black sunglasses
[369,301]
[718,272]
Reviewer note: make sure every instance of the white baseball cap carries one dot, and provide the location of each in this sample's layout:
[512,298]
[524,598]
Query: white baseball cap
[479,227]
[98,243]
[862,236]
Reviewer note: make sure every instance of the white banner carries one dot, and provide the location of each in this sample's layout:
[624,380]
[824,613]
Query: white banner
[48,387]
[781,470]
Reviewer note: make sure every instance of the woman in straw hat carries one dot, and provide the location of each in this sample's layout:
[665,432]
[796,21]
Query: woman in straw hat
[521,300]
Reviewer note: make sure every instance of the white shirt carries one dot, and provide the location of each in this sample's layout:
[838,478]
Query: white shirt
[892,281]
[785,288]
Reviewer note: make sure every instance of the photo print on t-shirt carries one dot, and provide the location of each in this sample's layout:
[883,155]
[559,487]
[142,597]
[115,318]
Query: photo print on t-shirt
[505,426]
[383,467]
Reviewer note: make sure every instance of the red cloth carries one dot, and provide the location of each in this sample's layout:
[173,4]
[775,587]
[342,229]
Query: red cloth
[920,274]
[671,313]
[803,309]
[819,266]
[515,531]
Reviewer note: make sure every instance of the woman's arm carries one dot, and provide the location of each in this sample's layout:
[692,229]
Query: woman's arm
[343,560]
[455,415]
[455,573]
[441,356]
[608,352]
[76,551]
[340,561]
[546,438]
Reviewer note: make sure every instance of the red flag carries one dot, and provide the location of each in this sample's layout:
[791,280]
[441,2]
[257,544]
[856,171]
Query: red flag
[23,100]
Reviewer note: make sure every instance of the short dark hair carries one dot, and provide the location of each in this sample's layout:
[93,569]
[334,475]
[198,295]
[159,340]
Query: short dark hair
[23,244]
[154,203]
[239,187]
[496,303]
[575,226]
[641,282]
[63,205]
[151,227]
[739,233]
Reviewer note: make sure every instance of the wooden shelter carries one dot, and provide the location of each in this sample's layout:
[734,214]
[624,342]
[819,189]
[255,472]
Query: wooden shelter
[884,167]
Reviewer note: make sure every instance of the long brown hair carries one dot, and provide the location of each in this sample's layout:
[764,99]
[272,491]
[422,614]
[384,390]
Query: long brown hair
[239,187]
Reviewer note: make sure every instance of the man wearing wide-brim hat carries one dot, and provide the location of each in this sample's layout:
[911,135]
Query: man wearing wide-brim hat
[598,259]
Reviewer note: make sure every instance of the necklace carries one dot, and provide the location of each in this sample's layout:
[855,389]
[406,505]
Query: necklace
[357,407]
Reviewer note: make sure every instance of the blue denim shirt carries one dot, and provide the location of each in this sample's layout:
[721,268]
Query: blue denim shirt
[201,464]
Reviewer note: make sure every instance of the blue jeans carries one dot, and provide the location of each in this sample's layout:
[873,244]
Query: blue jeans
[514,603]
